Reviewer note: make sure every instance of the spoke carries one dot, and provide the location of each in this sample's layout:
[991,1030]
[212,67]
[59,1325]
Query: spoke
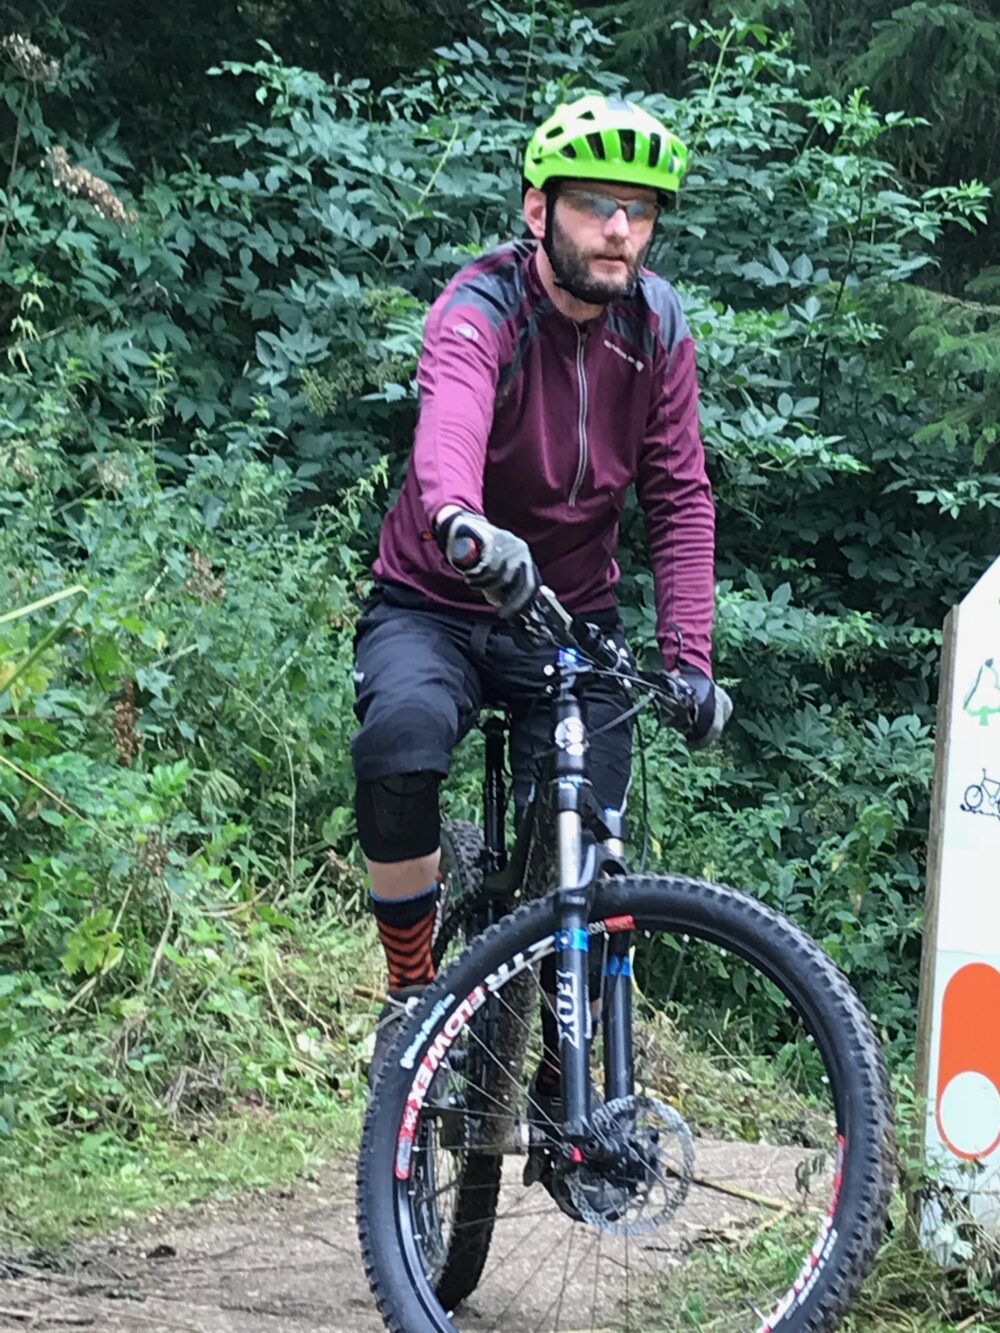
[597,1274]
[502,1261]
[628,1283]
[547,1272]
[526,1286]
[562,1290]
[569,1277]
[518,1085]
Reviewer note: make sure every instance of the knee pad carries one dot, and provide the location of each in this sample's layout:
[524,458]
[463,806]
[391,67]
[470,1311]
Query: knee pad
[399,818]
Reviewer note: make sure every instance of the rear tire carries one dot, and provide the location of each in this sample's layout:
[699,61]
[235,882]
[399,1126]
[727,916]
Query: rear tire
[461,916]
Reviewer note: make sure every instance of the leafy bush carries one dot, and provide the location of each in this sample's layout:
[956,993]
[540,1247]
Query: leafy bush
[174,778]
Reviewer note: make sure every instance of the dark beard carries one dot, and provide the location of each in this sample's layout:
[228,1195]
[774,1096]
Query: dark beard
[573,275]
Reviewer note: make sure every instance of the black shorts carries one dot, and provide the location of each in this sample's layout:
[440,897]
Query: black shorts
[422,675]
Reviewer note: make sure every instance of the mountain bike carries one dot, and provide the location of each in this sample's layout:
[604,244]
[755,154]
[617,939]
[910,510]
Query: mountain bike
[720,1155]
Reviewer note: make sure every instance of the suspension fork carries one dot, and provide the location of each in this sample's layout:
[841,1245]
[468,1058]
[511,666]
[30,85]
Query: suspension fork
[572,941]
[572,962]
[616,982]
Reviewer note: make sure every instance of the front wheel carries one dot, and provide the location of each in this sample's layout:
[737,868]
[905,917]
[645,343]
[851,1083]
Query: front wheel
[459,1246]
[757,1149]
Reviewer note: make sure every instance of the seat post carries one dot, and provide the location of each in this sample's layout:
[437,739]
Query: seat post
[495,793]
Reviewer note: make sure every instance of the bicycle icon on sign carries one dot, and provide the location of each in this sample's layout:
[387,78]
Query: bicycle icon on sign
[983,798]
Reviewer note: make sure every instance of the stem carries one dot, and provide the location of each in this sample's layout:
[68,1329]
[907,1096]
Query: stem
[83,992]
[527,63]
[158,954]
[13,168]
[420,198]
[716,75]
[122,905]
[40,647]
[121,304]
[279,1014]
[263,718]
[437,170]
[43,602]
[303,1005]
[840,290]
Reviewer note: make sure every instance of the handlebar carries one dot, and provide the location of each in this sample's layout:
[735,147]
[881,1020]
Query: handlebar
[544,619]
[466,553]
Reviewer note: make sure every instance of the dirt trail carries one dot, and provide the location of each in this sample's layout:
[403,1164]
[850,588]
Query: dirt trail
[289,1262]
[284,1262]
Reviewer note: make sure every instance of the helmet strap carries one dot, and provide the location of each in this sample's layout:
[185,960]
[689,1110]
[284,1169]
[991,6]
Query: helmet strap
[548,245]
[548,240]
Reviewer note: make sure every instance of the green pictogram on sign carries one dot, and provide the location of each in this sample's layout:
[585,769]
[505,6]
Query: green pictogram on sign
[983,700]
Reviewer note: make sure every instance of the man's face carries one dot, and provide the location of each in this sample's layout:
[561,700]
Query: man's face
[598,248]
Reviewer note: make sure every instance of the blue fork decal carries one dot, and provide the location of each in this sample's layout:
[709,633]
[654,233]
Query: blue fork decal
[572,939]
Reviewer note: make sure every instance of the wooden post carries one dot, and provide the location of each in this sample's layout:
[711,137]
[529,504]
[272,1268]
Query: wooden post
[958,1037]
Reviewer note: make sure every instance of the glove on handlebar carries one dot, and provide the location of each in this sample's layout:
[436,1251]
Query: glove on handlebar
[714,707]
[504,571]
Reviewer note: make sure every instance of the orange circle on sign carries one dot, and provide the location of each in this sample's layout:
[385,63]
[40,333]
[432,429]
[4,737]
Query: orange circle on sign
[968,1083]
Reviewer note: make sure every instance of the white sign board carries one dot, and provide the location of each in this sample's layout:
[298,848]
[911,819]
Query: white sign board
[958,1066]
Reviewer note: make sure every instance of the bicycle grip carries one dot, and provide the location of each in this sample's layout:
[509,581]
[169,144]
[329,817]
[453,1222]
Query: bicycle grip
[466,552]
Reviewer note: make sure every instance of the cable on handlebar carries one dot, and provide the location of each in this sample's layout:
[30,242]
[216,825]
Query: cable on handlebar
[545,618]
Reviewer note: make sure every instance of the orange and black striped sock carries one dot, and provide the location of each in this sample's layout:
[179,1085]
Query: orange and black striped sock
[405,927]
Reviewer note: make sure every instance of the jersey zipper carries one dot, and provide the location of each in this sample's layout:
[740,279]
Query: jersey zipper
[581,342]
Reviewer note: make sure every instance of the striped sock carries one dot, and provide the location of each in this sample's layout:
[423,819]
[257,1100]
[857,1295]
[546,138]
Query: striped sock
[406,927]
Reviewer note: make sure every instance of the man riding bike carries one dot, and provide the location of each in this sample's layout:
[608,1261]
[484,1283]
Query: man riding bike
[556,371]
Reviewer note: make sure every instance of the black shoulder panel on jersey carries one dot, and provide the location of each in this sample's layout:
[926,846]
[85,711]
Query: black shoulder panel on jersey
[498,290]
[660,297]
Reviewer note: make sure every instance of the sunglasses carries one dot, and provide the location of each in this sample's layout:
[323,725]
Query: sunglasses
[594,204]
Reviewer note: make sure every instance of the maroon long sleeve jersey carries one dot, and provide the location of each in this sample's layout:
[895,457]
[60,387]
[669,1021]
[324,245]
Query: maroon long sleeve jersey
[542,424]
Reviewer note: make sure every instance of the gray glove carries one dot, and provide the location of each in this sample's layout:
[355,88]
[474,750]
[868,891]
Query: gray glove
[714,707]
[491,559]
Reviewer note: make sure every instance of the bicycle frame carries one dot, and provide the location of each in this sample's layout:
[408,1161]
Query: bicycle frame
[566,791]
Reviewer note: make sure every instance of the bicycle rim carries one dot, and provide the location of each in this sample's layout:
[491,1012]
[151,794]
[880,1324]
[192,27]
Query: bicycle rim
[764,1134]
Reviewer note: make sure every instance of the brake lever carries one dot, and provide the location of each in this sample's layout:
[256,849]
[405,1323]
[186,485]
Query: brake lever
[545,620]
[674,701]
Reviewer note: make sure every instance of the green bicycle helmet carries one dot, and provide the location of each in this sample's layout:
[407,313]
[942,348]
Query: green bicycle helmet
[605,139]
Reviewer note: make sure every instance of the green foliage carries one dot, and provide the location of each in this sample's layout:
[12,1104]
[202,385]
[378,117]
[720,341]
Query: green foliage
[145,69]
[172,777]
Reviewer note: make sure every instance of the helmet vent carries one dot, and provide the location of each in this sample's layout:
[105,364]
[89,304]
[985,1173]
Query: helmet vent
[586,115]
[569,151]
[556,129]
[655,146]
[597,146]
[627,138]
